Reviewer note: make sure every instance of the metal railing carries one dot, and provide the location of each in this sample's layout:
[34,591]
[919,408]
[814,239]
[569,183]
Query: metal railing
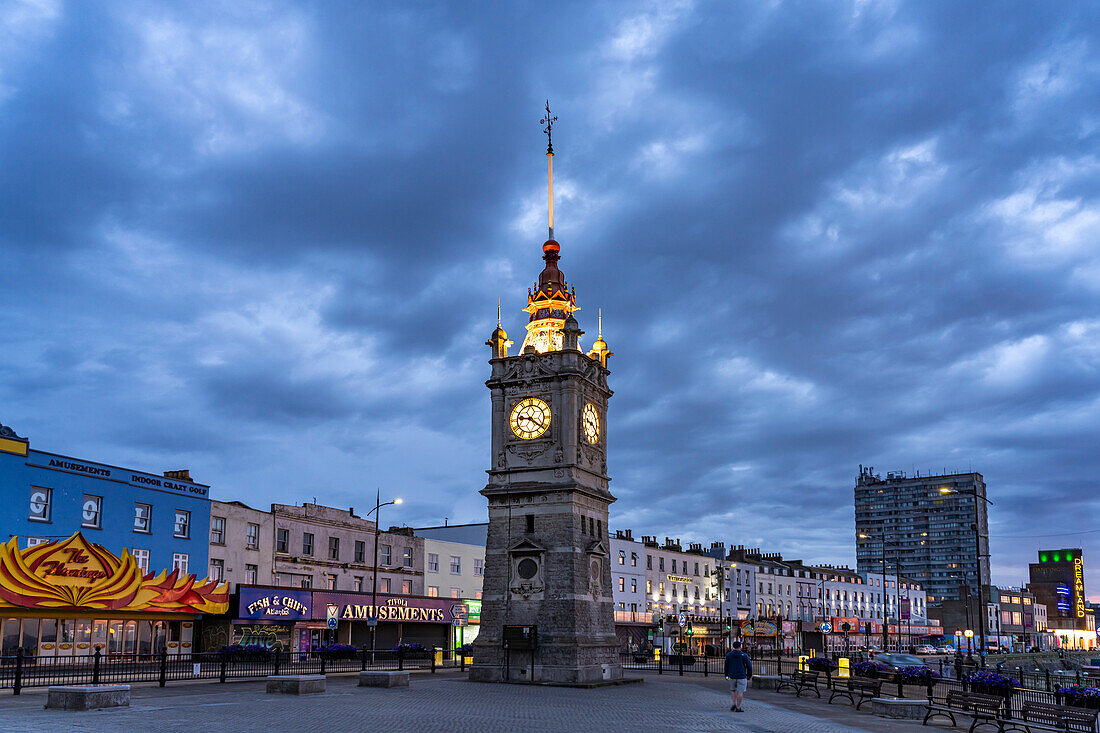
[26,670]
[1034,686]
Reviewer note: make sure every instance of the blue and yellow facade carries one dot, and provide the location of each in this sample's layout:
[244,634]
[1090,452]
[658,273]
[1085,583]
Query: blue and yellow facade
[161,523]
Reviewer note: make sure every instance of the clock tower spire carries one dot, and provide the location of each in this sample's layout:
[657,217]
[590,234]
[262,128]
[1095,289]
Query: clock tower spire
[551,301]
[547,612]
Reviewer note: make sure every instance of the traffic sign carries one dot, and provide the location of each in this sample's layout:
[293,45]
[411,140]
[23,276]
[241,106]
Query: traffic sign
[682,618]
[460,610]
[826,627]
[372,622]
[331,615]
[460,622]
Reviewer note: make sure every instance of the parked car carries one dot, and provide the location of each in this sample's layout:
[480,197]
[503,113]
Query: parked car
[926,649]
[897,661]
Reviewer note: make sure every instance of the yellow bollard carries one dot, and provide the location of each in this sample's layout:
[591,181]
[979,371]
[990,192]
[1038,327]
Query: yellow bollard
[842,667]
[802,663]
[438,657]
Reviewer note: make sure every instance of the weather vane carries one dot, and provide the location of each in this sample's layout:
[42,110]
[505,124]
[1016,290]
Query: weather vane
[549,122]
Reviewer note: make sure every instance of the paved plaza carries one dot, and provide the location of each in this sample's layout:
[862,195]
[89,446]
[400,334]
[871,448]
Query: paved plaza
[431,703]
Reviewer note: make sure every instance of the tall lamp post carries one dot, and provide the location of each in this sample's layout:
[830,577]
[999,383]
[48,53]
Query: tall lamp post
[978,558]
[373,620]
[882,585]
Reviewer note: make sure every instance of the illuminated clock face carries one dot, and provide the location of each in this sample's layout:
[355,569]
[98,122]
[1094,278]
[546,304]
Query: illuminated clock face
[530,418]
[590,418]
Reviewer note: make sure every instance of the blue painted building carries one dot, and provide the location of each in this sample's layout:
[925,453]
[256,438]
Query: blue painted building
[163,520]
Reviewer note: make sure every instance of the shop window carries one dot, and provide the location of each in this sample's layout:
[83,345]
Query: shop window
[385,551]
[282,540]
[360,551]
[179,562]
[142,515]
[217,570]
[182,528]
[217,530]
[9,637]
[456,565]
[433,591]
[91,510]
[40,504]
[407,558]
[144,644]
[30,635]
[333,548]
[479,567]
[251,574]
[252,537]
[141,557]
[307,543]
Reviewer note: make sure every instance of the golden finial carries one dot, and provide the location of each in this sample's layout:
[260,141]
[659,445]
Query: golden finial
[600,335]
[498,312]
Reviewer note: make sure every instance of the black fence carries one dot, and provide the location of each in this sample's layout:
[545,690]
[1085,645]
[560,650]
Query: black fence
[1035,686]
[25,670]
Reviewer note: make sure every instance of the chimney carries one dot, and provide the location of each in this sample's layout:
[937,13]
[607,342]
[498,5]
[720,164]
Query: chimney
[629,536]
[183,474]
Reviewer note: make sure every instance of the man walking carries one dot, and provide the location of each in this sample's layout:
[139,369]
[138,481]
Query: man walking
[738,672]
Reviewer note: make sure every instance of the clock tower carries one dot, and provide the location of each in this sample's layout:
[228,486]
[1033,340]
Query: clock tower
[547,614]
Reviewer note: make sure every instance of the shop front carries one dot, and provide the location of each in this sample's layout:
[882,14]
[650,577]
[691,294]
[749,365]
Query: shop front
[297,620]
[428,621]
[276,618]
[70,597]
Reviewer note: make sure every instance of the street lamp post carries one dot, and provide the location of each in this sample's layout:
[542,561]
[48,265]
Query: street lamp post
[969,634]
[882,595]
[378,504]
[978,558]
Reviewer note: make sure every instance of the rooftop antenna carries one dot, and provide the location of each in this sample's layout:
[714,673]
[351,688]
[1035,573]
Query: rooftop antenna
[601,322]
[549,122]
[498,312]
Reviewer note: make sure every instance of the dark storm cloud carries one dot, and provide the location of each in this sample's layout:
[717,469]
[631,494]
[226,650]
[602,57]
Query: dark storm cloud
[268,241]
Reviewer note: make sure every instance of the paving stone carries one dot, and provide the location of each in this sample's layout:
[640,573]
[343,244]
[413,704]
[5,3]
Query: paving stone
[432,703]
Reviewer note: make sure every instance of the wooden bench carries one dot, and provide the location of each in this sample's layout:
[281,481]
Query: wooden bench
[799,682]
[1044,716]
[984,709]
[866,689]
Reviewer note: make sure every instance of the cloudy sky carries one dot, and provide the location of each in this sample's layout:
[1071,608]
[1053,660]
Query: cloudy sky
[265,241]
